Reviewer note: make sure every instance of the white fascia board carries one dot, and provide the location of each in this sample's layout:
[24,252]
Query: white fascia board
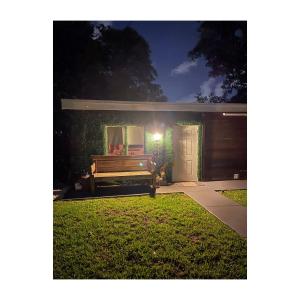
[81,104]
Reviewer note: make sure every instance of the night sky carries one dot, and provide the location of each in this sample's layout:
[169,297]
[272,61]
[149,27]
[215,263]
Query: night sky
[170,42]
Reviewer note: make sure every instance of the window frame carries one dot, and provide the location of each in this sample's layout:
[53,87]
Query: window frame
[125,138]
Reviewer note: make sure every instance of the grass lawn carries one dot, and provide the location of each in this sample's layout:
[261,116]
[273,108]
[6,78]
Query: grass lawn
[169,237]
[239,196]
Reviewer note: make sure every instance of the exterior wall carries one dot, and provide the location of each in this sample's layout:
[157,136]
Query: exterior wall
[221,154]
[224,147]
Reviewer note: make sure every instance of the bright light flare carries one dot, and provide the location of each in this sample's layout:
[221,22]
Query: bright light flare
[157,137]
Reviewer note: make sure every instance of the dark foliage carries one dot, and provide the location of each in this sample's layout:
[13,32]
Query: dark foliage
[102,63]
[127,66]
[224,45]
[210,99]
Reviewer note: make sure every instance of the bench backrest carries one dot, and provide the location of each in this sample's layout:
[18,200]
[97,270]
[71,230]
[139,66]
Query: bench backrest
[121,163]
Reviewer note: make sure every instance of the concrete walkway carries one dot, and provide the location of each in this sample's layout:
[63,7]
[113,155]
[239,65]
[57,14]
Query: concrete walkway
[225,185]
[226,210]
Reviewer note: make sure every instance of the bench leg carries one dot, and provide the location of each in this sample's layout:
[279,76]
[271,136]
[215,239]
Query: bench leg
[153,192]
[92,185]
[153,187]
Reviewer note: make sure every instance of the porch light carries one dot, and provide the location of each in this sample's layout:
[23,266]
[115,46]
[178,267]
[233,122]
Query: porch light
[157,137]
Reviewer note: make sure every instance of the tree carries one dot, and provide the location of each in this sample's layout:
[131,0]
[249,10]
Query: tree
[127,65]
[210,99]
[72,49]
[224,45]
[100,62]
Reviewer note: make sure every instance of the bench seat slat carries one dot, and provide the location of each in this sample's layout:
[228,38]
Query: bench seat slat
[122,174]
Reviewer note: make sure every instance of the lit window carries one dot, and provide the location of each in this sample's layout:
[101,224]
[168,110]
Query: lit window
[135,140]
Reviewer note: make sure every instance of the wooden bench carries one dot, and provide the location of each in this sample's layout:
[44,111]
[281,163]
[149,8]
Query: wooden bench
[123,167]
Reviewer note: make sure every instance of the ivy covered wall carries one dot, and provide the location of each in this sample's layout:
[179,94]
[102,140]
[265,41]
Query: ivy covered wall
[88,134]
[168,144]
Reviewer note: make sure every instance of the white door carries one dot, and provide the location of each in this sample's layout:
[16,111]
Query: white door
[185,145]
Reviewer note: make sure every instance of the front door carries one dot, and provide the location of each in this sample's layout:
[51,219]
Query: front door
[185,145]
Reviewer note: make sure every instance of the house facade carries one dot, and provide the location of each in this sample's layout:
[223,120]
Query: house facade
[192,141]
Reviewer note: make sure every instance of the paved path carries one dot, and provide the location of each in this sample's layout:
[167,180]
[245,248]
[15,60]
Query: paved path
[225,185]
[228,211]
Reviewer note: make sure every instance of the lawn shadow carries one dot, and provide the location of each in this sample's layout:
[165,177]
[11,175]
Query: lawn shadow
[108,191]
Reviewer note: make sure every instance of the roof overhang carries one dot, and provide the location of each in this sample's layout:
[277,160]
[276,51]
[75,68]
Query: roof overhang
[82,104]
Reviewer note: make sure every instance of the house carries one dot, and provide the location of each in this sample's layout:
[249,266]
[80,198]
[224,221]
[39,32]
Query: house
[195,141]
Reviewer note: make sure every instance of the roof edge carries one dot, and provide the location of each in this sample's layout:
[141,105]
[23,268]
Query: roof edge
[113,105]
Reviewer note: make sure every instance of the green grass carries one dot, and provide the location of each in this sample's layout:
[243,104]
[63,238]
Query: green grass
[170,236]
[239,196]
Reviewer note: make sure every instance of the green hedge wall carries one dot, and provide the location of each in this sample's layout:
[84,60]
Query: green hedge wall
[169,152]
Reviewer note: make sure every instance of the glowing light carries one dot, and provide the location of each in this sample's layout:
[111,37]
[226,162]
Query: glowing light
[157,137]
